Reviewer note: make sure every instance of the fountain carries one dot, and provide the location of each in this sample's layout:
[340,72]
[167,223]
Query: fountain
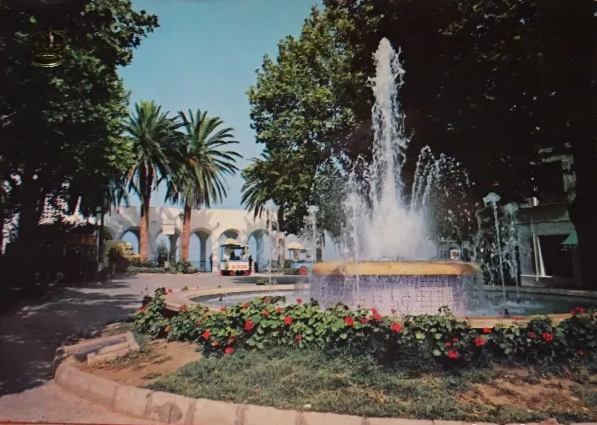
[388,249]
[390,260]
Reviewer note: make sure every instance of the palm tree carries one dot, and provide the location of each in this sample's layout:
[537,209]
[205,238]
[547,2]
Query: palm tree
[271,176]
[198,179]
[155,138]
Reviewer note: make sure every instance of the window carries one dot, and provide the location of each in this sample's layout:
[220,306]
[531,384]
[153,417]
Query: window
[549,182]
[557,262]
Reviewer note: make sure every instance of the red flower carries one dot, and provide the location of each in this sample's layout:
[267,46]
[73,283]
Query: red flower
[453,354]
[288,320]
[223,308]
[299,301]
[349,321]
[578,310]
[448,344]
[395,327]
[547,337]
[170,291]
[215,343]
[532,335]
[377,316]
[298,338]
[142,310]
[183,308]
[245,305]
[486,330]
[249,325]
[393,310]
[364,320]
[167,329]
[266,300]
[265,313]
[479,342]
[517,318]
[278,310]
[373,310]
[206,335]
[230,340]
[229,350]
[199,323]
[454,339]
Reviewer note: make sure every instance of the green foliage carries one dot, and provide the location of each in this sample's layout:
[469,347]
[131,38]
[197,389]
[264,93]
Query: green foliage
[297,111]
[61,128]
[116,253]
[162,253]
[287,378]
[205,160]
[418,340]
[150,319]
[183,266]
[139,262]
[479,60]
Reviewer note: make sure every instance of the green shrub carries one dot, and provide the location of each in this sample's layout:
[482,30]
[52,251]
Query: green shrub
[157,270]
[418,340]
[141,263]
[183,266]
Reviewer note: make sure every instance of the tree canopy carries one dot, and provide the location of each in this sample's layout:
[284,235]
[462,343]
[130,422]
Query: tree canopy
[61,127]
[487,82]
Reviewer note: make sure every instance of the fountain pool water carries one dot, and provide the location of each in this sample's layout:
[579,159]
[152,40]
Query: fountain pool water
[524,304]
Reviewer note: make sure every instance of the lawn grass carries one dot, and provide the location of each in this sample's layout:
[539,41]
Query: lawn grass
[291,379]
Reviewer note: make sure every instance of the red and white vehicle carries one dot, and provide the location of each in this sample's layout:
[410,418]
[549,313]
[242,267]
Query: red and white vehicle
[235,259]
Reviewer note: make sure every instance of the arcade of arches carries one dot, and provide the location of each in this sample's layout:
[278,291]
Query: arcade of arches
[208,228]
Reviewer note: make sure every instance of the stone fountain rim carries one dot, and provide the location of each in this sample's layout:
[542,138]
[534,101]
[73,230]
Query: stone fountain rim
[396,268]
[175,300]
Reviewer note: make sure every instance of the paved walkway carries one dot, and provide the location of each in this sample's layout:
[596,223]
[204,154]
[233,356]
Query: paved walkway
[29,338]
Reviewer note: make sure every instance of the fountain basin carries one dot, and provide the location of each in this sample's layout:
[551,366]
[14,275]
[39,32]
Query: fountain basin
[400,287]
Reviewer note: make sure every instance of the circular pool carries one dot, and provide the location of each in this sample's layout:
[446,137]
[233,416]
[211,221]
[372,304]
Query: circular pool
[527,304]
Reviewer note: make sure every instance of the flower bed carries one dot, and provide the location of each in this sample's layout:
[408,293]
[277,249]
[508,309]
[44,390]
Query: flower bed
[262,323]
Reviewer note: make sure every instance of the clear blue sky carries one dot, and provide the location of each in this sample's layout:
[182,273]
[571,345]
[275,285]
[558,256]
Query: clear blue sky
[204,55]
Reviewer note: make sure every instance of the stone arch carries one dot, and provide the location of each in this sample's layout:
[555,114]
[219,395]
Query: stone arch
[231,233]
[259,247]
[203,235]
[134,230]
[174,243]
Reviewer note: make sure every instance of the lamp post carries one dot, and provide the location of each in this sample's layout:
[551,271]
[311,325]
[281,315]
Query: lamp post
[271,208]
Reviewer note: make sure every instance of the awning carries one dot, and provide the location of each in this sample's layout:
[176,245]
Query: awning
[572,239]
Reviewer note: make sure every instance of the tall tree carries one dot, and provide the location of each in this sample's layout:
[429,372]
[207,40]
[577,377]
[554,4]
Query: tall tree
[156,142]
[61,127]
[204,162]
[296,113]
[487,82]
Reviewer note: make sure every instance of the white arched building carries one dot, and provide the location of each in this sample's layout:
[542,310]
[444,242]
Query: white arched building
[207,224]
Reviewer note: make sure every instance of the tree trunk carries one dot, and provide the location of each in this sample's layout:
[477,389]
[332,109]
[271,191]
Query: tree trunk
[144,227]
[145,187]
[186,232]
[100,242]
[27,241]
[582,211]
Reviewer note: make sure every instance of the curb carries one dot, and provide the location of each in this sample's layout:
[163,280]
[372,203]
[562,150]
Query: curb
[170,408]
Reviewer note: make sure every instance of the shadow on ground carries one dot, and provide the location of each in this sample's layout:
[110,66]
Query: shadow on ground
[29,337]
